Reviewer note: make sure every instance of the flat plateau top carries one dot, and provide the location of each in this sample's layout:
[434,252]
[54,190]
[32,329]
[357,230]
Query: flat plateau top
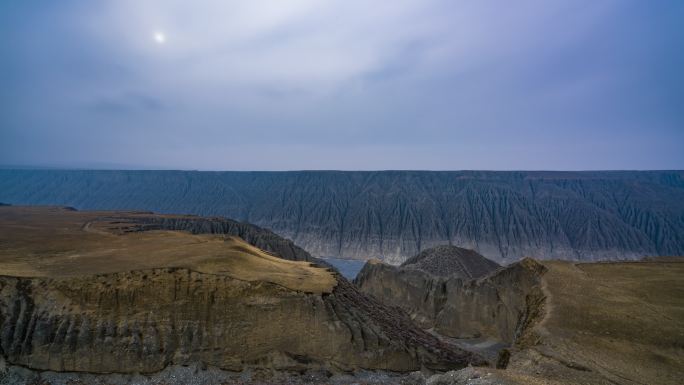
[622,320]
[57,243]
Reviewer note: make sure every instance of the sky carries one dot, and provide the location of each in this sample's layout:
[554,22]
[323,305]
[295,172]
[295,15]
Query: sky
[349,84]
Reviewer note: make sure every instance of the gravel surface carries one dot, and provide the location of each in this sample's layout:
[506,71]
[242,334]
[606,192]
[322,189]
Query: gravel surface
[196,375]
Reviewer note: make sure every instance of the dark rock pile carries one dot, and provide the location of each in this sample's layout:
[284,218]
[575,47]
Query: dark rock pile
[451,261]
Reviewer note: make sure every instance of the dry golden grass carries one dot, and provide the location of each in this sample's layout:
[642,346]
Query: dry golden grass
[54,242]
[609,323]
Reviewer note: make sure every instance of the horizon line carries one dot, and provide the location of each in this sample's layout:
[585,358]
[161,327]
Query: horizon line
[62,168]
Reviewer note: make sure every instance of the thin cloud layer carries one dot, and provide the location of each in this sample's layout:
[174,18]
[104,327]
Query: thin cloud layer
[343,84]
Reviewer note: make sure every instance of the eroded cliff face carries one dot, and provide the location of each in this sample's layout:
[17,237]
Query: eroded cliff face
[502,305]
[82,297]
[567,323]
[143,321]
[396,214]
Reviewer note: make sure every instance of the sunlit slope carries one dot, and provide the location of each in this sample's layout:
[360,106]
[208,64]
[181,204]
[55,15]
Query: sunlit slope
[57,243]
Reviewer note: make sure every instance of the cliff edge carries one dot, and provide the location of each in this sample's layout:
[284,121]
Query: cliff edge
[113,292]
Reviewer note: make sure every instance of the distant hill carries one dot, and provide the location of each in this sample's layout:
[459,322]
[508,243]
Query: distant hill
[449,261]
[396,214]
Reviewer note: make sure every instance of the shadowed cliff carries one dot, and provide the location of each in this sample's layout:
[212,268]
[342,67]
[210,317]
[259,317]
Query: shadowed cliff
[393,215]
[562,322]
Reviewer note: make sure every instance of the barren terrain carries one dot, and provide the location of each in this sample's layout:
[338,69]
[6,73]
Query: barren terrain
[129,292]
[565,322]
[393,215]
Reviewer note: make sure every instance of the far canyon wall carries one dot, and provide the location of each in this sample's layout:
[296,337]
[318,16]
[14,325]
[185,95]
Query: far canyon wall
[393,215]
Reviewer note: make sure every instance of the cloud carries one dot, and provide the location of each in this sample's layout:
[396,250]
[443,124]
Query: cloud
[125,103]
[302,44]
[405,76]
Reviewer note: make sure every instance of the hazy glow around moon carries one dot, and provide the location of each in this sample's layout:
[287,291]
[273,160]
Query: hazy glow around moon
[159,37]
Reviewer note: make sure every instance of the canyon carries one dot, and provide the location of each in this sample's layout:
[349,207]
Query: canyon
[552,322]
[117,292]
[122,297]
[393,215]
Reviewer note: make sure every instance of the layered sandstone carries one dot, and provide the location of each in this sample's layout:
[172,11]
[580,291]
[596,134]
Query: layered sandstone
[95,292]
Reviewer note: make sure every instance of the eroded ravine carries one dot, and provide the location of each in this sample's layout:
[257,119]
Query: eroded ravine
[127,300]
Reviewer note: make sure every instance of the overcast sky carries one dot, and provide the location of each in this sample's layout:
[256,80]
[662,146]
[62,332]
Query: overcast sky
[349,84]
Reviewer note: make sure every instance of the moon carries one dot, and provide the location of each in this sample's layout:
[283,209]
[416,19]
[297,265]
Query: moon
[159,37]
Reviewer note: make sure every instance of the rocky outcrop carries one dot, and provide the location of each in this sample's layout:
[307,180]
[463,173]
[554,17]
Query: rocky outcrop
[84,298]
[393,215]
[451,261]
[501,306]
[143,321]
